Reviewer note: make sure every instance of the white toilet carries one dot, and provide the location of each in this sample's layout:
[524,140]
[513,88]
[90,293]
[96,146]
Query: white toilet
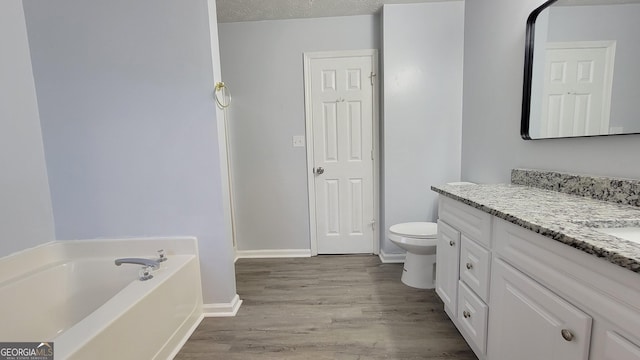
[419,239]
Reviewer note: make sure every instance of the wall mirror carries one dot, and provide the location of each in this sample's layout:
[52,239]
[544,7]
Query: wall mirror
[582,69]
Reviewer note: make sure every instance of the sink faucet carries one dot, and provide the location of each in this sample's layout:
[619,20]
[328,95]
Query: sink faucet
[154,264]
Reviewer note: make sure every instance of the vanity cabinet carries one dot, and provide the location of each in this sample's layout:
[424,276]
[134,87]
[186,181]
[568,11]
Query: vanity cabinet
[515,294]
[462,269]
[547,296]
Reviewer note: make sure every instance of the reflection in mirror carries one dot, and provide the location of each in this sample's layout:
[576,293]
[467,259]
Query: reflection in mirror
[581,69]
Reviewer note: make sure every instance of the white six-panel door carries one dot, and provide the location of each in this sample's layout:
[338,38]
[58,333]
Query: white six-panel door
[341,110]
[577,89]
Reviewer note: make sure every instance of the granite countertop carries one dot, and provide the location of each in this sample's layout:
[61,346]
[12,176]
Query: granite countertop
[569,219]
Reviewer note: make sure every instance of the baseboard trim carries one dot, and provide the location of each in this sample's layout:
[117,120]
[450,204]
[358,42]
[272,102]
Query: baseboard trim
[282,253]
[391,258]
[222,309]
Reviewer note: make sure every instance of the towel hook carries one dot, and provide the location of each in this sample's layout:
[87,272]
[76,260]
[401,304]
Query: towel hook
[226,93]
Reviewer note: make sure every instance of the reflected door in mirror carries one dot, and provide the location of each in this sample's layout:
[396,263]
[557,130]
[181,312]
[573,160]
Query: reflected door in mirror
[581,69]
[576,94]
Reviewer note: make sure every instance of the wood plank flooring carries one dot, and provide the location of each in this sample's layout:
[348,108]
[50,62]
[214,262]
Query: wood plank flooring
[328,307]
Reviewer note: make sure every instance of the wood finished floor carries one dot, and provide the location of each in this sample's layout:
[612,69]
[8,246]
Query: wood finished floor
[328,307]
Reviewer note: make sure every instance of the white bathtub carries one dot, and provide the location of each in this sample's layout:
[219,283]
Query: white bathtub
[71,293]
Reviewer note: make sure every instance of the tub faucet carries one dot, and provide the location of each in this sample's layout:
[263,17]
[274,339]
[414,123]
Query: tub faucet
[154,264]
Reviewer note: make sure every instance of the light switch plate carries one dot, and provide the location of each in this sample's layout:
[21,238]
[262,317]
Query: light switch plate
[298,141]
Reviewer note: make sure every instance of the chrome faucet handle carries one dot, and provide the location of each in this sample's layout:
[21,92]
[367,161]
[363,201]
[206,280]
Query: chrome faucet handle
[154,264]
[145,273]
[162,256]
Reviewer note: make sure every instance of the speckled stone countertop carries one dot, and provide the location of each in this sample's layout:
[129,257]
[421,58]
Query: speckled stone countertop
[569,219]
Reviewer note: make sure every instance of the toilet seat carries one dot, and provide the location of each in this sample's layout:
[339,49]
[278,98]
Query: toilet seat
[415,230]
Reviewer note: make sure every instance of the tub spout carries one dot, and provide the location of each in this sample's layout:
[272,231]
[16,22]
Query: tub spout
[154,264]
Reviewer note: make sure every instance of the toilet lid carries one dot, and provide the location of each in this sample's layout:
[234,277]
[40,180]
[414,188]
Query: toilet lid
[422,230]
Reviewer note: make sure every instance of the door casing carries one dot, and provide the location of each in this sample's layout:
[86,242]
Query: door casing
[308,57]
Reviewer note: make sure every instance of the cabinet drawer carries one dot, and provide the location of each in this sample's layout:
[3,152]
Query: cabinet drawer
[472,316]
[475,262]
[472,222]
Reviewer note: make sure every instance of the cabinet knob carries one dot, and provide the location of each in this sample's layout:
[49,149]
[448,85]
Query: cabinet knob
[451,243]
[466,314]
[469,266]
[567,334]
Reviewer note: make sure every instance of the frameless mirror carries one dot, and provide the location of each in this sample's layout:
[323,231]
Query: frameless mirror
[582,73]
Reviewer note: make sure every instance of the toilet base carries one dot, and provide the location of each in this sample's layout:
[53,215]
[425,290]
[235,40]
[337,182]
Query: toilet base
[419,271]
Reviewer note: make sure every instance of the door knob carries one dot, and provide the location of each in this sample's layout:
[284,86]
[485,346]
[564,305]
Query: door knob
[319,171]
[567,334]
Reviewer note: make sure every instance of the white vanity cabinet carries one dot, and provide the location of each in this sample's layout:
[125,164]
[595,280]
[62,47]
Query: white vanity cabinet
[551,301]
[462,269]
[515,294]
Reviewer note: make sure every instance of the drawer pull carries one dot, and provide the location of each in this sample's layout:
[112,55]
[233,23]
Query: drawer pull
[467,315]
[451,243]
[567,334]
[469,266]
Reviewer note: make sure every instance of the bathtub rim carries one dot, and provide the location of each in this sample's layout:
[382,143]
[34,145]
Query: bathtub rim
[28,261]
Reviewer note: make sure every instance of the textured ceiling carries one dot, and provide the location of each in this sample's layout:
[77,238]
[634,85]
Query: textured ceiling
[254,10]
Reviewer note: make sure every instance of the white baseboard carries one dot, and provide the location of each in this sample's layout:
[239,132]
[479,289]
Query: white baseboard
[391,258]
[283,253]
[222,309]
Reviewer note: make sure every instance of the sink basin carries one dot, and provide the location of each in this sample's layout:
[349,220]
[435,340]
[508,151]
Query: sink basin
[628,233]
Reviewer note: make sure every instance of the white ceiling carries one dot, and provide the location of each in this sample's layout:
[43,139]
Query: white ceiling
[254,10]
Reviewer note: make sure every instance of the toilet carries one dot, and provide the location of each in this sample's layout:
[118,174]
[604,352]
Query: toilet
[419,239]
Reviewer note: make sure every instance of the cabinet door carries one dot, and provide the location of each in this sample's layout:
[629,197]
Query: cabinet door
[618,348]
[447,259]
[529,322]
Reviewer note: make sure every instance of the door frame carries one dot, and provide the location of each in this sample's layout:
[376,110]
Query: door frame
[311,188]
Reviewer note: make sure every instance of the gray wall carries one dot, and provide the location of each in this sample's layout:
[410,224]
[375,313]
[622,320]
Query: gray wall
[262,63]
[615,22]
[493,70]
[26,216]
[422,118]
[129,125]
